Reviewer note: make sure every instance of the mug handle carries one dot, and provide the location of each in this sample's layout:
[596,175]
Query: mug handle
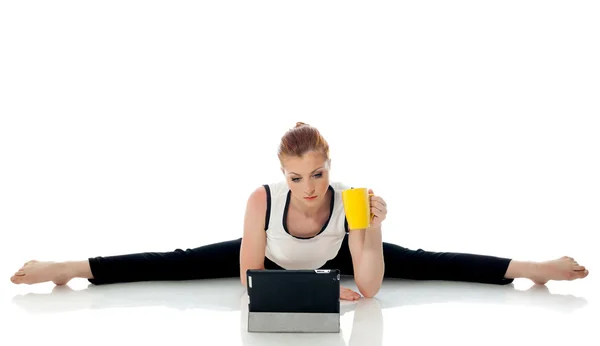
[372,215]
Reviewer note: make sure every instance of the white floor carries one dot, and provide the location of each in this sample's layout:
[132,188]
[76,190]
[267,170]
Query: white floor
[403,312]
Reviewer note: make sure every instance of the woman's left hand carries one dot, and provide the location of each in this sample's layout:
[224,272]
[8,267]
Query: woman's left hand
[378,209]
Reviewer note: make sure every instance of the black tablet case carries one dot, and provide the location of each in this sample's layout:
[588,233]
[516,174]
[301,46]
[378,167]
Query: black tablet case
[293,300]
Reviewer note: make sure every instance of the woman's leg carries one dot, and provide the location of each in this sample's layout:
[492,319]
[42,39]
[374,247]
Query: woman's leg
[419,264]
[216,260]
[401,262]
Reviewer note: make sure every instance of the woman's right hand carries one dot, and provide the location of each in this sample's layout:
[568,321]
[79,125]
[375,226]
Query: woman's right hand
[348,294]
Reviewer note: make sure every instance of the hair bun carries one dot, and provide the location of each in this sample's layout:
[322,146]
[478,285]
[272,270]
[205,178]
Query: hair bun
[299,123]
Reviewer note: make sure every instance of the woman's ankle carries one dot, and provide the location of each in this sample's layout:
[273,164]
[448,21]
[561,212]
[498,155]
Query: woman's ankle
[521,269]
[77,269]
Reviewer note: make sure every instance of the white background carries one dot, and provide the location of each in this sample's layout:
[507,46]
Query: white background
[143,126]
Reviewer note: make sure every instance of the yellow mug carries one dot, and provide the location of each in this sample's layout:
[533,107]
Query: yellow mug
[357,206]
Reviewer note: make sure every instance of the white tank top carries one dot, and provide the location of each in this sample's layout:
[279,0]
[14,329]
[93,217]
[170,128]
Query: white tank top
[290,252]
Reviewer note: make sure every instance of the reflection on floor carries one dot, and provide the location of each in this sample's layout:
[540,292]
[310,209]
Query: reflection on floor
[415,310]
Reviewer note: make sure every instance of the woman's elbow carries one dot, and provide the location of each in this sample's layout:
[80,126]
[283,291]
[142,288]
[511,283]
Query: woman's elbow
[243,279]
[369,291]
[243,272]
[369,287]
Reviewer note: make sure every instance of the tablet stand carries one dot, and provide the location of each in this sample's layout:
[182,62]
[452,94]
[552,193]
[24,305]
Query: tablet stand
[293,322]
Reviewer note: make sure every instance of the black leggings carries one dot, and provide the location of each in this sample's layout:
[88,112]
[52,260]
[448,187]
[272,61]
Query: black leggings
[221,260]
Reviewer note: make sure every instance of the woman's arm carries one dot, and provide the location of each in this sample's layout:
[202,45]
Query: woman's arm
[366,248]
[254,239]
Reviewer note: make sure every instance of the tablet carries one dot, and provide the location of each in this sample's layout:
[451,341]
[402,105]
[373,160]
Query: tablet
[293,300]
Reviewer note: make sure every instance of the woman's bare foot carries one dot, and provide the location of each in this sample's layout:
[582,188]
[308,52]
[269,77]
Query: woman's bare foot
[564,268]
[60,273]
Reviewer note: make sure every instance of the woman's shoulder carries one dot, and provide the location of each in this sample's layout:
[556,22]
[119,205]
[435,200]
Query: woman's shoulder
[257,198]
[264,194]
[276,188]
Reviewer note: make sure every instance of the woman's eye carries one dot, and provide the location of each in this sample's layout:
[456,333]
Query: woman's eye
[318,175]
[295,179]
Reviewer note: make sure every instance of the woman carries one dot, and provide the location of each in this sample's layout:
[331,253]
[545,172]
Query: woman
[300,223]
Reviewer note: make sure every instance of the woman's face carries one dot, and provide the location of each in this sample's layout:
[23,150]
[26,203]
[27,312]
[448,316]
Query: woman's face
[307,177]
